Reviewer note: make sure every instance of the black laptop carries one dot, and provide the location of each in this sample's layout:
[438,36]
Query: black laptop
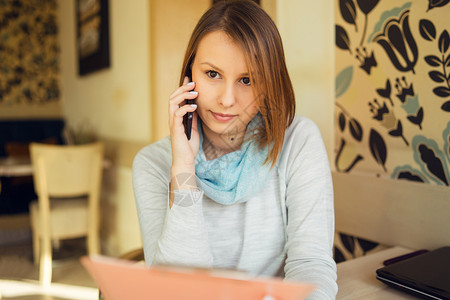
[426,275]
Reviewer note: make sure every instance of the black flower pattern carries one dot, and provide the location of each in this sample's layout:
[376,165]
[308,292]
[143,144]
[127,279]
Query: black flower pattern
[399,43]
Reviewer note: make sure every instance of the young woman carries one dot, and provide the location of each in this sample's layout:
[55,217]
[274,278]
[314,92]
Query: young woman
[251,189]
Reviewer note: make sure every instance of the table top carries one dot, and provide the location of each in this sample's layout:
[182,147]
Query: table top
[10,167]
[21,166]
[357,277]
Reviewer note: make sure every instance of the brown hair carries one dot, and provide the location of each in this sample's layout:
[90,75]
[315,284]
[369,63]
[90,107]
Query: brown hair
[252,28]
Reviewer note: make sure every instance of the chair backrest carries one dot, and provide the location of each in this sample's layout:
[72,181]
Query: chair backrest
[67,171]
[392,212]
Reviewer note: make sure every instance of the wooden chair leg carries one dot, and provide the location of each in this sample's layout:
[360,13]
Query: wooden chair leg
[34,215]
[45,268]
[93,246]
[36,247]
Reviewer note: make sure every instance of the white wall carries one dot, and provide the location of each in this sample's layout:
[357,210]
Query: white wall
[115,103]
[307,30]
[172,23]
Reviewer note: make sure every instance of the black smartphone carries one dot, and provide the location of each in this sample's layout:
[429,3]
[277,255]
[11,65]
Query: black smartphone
[187,118]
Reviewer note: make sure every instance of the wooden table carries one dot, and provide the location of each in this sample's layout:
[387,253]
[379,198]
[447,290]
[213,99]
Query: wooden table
[357,277]
[14,167]
[11,167]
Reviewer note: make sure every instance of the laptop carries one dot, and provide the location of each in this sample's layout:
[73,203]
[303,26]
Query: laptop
[121,279]
[426,275]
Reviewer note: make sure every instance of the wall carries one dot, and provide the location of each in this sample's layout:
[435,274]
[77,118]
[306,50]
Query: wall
[306,28]
[114,103]
[171,25]
[393,91]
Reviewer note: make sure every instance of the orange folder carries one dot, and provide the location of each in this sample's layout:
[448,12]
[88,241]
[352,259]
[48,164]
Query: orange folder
[120,279]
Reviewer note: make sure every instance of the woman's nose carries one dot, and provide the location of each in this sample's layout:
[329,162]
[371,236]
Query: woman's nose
[228,96]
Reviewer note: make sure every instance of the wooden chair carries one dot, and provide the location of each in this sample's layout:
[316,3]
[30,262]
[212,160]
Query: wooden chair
[67,181]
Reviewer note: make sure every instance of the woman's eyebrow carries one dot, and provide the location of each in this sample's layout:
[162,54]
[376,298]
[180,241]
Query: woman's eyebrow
[219,69]
[212,66]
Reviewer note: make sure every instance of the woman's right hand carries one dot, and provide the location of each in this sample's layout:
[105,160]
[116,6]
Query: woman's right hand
[184,151]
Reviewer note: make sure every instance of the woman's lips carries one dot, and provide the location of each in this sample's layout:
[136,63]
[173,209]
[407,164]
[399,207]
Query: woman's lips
[222,117]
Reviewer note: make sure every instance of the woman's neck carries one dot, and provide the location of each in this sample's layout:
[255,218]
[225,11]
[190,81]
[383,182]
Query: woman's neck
[216,145]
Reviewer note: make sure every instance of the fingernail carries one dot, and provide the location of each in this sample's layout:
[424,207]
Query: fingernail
[190,83]
[193,92]
[194,105]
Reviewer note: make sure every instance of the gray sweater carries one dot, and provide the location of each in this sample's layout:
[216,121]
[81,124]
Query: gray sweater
[286,229]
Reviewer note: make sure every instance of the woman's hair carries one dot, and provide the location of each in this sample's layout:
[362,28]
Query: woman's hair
[252,28]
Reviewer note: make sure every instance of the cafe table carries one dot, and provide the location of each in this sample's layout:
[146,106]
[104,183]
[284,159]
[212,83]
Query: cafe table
[357,277]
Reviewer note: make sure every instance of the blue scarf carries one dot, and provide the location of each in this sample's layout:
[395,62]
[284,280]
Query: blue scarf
[235,175]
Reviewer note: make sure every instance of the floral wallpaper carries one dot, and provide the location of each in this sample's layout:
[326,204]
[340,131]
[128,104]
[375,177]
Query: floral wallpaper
[392,96]
[29,53]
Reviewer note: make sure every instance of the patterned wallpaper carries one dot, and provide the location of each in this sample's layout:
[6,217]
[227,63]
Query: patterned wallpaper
[393,89]
[29,55]
[392,97]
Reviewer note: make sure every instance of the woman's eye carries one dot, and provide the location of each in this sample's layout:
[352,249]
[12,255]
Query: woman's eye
[213,74]
[245,80]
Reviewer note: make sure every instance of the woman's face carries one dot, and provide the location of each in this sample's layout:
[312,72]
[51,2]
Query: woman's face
[226,102]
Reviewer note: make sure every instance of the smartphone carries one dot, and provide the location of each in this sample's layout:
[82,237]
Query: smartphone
[187,118]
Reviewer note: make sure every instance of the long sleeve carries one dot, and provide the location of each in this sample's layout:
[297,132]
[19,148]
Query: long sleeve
[310,211]
[169,236]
